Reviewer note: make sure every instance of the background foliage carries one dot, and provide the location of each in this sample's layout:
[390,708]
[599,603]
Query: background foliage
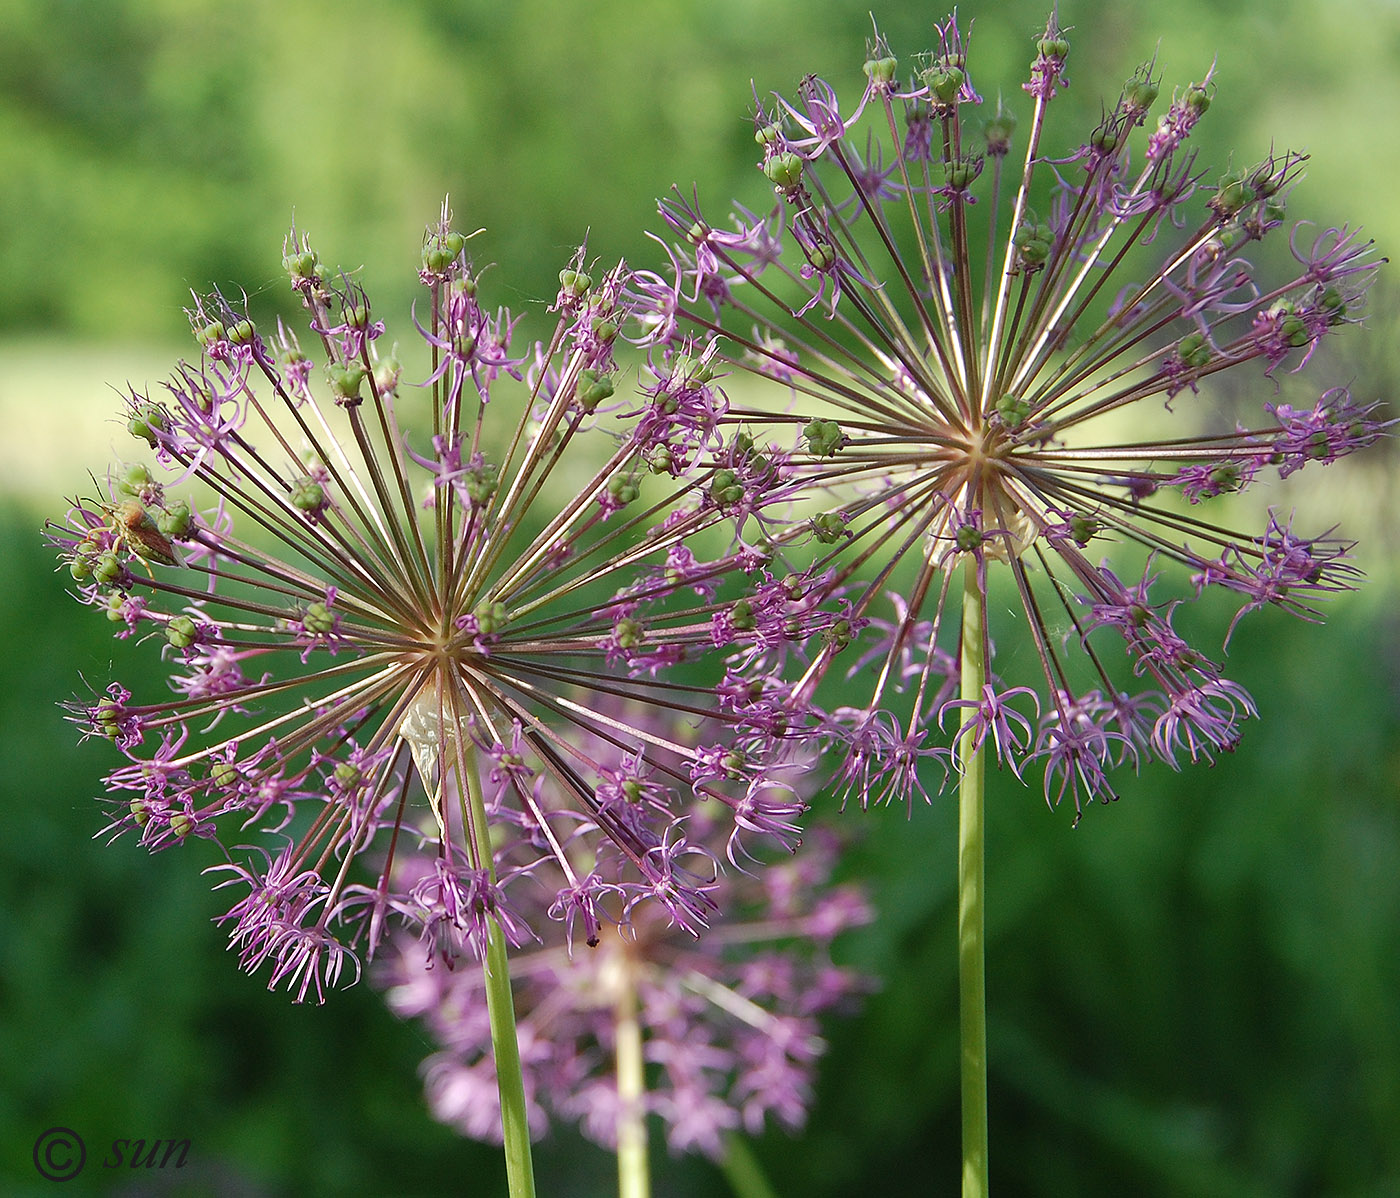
[1193,993]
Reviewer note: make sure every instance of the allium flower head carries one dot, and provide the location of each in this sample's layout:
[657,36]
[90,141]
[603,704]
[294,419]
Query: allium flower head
[980,324]
[381,600]
[728,1021]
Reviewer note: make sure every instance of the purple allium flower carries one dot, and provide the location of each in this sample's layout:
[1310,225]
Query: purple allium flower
[976,350]
[380,602]
[728,1022]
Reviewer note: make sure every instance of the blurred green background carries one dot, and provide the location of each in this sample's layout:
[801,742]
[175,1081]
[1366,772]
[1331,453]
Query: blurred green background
[1196,992]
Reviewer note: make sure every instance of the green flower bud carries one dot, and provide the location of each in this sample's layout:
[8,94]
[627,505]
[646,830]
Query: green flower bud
[838,636]
[174,519]
[693,372]
[725,488]
[1295,331]
[481,483]
[624,489]
[115,602]
[1334,304]
[1053,47]
[80,567]
[107,568]
[181,631]
[1197,99]
[1194,350]
[106,718]
[944,81]
[1139,94]
[880,71]
[345,383]
[1083,529]
[968,538]
[1226,478]
[959,172]
[768,135]
[742,617]
[491,617]
[1104,139]
[181,824]
[1232,193]
[242,332]
[347,776]
[829,527]
[225,775]
[998,130]
[784,170]
[1032,240]
[1014,410]
[210,333]
[629,633]
[824,437]
[661,460]
[821,254]
[387,371]
[574,283]
[308,495]
[146,422]
[140,812]
[317,619]
[302,264]
[134,479]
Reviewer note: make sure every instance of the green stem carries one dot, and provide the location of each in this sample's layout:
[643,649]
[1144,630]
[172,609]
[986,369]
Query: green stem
[500,1006]
[742,1170]
[972,977]
[633,1175]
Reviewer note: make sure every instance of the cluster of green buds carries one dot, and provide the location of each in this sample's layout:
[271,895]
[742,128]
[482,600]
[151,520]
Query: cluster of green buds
[491,617]
[824,437]
[998,130]
[829,527]
[1013,410]
[944,78]
[441,250]
[308,496]
[1032,239]
[593,387]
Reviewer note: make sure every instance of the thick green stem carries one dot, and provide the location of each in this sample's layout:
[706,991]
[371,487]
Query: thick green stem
[500,1006]
[633,1174]
[972,978]
[742,1170]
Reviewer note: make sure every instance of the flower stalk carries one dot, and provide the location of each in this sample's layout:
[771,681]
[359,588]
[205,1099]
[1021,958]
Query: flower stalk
[972,892]
[633,1172]
[500,1006]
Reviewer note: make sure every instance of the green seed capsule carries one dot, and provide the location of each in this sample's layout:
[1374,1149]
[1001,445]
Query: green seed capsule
[181,631]
[784,170]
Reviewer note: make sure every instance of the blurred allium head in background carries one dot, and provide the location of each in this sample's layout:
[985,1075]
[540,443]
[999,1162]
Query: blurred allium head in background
[374,595]
[728,1021]
[980,324]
